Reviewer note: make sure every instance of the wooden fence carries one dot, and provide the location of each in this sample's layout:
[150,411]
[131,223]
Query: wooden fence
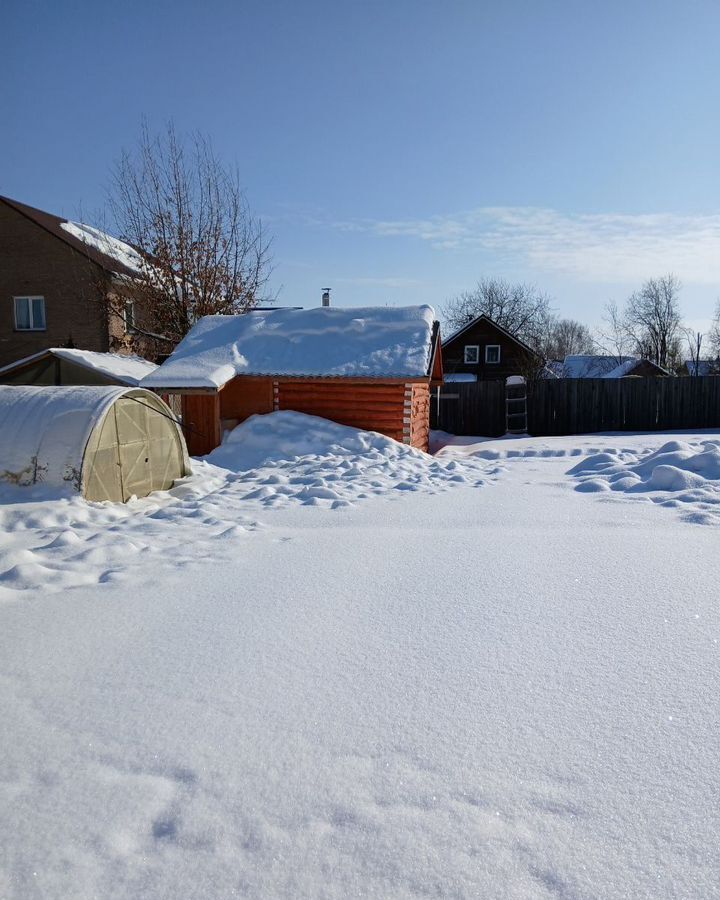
[477,408]
[583,405]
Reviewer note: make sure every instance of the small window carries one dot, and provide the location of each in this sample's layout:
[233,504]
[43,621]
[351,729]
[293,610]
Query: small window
[492,354]
[129,316]
[29,313]
[472,353]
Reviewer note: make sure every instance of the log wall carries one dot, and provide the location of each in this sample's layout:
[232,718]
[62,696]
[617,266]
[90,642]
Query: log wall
[245,397]
[420,416]
[396,409]
[201,422]
[372,407]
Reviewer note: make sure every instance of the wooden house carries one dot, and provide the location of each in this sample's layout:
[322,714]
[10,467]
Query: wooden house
[370,368]
[484,351]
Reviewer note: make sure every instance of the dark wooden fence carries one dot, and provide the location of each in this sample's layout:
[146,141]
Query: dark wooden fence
[477,408]
[583,405]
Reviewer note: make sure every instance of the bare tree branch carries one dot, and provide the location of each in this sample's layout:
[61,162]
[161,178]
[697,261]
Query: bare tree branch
[206,253]
[518,308]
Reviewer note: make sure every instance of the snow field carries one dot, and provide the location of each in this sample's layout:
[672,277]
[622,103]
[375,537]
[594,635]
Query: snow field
[269,462]
[505,693]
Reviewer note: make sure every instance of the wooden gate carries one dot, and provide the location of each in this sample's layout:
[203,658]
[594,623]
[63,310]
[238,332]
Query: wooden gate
[469,409]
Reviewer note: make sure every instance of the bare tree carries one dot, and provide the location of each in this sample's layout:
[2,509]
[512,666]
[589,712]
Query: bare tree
[652,320]
[612,339]
[694,340]
[715,332]
[518,308]
[567,337]
[203,250]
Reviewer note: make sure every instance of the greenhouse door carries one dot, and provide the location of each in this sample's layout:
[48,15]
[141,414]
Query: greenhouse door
[148,448]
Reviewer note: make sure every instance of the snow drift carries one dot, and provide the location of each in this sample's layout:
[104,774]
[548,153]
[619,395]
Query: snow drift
[677,473]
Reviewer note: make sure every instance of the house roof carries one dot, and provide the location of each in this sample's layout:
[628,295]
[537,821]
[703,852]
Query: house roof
[128,370]
[460,331]
[604,366]
[700,366]
[367,342]
[109,253]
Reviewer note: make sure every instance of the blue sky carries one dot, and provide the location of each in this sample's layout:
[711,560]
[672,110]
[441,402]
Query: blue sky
[400,150]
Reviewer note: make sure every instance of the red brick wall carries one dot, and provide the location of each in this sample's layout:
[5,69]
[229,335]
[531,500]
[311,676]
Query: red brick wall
[36,263]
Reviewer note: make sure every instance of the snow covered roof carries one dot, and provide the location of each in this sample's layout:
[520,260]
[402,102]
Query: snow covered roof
[106,251]
[700,366]
[129,370]
[368,342]
[106,244]
[602,366]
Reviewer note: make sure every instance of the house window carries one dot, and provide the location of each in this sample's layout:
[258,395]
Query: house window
[29,313]
[129,316]
[472,353]
[492,354]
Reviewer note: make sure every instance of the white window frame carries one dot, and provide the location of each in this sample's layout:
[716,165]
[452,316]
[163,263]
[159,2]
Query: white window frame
[29,298]
[129,321]
[471,362]
[492,362]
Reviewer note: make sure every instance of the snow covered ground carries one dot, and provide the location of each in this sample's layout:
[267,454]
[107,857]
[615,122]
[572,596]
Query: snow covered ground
[367,672]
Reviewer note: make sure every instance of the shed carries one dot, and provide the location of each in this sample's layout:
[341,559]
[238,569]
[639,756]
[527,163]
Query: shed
[109,443]
[369,368]
[68,366]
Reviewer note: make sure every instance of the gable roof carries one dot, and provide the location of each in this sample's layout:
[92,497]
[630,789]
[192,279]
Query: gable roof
[700,366]
[323,342]
[109,253]
[128,370]
[588,366]
[460,331]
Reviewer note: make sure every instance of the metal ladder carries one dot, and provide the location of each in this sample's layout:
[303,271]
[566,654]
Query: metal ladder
[516,410]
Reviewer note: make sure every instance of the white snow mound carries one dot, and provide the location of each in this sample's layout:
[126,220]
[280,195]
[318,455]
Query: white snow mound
[689,473]
[287,436]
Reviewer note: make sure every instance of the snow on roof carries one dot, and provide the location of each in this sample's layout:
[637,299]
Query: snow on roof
[598,366]
[129,370]
[460,377]
[699,366]
[369,342]
[105,243]
[44,430]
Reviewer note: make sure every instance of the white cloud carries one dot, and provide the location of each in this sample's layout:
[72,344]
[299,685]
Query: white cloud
[601,247]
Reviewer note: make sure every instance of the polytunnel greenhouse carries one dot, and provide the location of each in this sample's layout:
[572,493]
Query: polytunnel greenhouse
[108,443]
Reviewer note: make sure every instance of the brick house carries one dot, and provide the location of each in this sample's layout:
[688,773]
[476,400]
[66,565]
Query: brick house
[484,351]
[55,280]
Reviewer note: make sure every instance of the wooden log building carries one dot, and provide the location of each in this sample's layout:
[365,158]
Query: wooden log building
[369,368]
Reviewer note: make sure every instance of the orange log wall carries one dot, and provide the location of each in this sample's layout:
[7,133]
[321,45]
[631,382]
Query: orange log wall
[201,422]
[420,416]
[399,410]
